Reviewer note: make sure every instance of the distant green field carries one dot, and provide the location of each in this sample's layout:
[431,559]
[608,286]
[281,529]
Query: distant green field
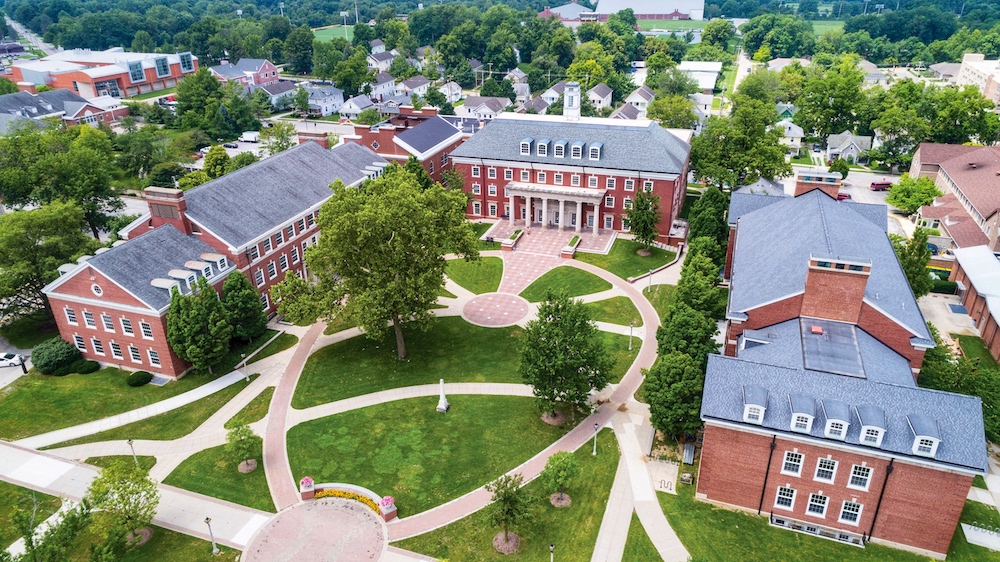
[647,25]
[327,33]
[821,27]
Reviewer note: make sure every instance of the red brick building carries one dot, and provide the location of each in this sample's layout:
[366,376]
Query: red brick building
[573,172]
[62,104]
[258,220]
[812,415]
[250,73]
[977,273]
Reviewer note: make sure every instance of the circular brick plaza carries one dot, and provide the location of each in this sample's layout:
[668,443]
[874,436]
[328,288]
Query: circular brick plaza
[323,530]
[495,310]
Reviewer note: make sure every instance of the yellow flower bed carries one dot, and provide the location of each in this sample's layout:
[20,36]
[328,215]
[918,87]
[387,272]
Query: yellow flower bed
[350,496]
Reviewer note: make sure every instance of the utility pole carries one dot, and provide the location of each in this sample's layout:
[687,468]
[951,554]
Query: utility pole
[866,7]
[357,18]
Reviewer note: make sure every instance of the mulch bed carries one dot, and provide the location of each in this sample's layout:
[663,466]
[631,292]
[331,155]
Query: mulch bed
[140,537]
[509,546]
[248,465]
[557,501]
[557,419]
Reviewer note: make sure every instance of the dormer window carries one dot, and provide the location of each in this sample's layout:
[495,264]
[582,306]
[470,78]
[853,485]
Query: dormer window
[560,149]
[207,272]
[835,429]
[871,436]
[595,151]
[754,404]
[577,152]
[926,434]
[543,149]
[190,281]
[526,146]
[802,423]
[872,425]
[925,446]
[222,263]
[753,414]
[803,412]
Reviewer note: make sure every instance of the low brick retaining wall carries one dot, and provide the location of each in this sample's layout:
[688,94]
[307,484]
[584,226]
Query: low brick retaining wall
[384,506]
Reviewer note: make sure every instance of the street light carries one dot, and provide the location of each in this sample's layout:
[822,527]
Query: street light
[596,427]
[552,552]
[344,15]
[649,286]
[135,458]
[215,549]
[245,373]
[630,326]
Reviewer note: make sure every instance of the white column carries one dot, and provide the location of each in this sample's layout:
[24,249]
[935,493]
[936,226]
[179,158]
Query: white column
[545,212]
[579,215]
[527,210]
[562,213]
[510,201]
[597,215]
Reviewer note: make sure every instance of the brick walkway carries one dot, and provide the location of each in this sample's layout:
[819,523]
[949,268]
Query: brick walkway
[495,310]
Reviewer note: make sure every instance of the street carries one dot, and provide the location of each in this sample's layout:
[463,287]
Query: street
[31,39]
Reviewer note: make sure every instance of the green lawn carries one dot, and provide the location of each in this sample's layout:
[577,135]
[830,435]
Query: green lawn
[727,80]
[974,348]
[960,550]
[213,473]
[821,27]
[164,546]
[36,403]
[659,297]
[145,463]
[442,292]
[328,33]
[572,529]
[480,228]
[254,411]
[339,324]
[170,425]
[616,310]
[29,331]
[638,547]
[156,94]
[979,482]
[451,349]
[574,282]
[617,347]
[281,343]
[624,262]
[13,497]
[690,198]
[481,276]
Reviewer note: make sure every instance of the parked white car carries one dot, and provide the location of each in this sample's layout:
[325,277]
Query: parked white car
[10,360]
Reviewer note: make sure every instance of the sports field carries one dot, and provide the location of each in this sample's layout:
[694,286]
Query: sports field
[331,31]
[821,27]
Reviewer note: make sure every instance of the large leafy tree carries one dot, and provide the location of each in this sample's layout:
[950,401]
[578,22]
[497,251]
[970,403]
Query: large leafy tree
[718,32]
[216,161]
[708,216]
[33,244]
[198,328]
[644,217]
[242,305]
[563,357]
[298,51]
[673,112]
[914,255]
[673,389]
[900,131]
[688,331]
[380,258]
[194,92]
[352,73]
[698,286]
[560,470]
[123,496]
[783,35]
[831,98]
[279,137]
[7,87]
[909,194]
[742,148]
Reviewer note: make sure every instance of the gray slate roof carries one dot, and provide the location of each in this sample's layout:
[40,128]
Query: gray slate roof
[627,111]
[625,147]
[383,56]
[841,141]
[960,417]
[538,104]
[279,87]
[242,205]
[428,134]
[322,92]
[416,82]
[44,103]
[144,258]
[601,90]
[763,186]
[820,225]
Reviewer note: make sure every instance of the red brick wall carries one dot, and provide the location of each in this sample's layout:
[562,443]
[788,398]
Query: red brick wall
[729,252]
[891,334]
[833,294]
[435,164]
[802,187]
[920,508]
[762,317]
[80,284]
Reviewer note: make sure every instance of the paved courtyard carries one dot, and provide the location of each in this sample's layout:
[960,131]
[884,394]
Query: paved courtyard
[495,310]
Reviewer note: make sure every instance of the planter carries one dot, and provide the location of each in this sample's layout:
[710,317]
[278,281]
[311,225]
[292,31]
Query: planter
[307,488]
[569,250]
[509,244]
[383,506]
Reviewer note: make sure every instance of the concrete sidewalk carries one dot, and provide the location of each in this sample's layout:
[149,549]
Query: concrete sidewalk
[613,535]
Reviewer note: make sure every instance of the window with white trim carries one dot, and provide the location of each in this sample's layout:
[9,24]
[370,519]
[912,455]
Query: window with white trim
[279,238]
[506,191]
[802,423]
[508,174]
[207,272]
[491,173]
[116,350]
[861,477]
[430,166]
[560,150]
[872,436]
[134,354]
[826,470]
[258,276]
[290,231]
[592,181]
[70,315]
[595,153]
[154,357]
[850,513]
[574,180]
[525,175]
[301,223]
[254,253]
[541,177]
[752,414]
[627,203]
[475,171]
[265,302]
[542,149]
[295,255]
[792,464]
[785,498]
[272,271]
[609,183]
[147,330]
[88,319]
[477,208]
[557,178]
[127,327]
[609,201]
[477,189]
[817,505]
[98,346]
[283,262]
[267,245]
[576,152]
[310,219]
[109,324]
[493,209]
[836,429]
[629,185]
[925,446]
[491,190]
[648,186]
[525,148]
[80,343]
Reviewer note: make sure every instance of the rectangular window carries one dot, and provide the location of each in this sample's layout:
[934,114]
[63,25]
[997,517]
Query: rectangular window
[162,67]
[817,505]
[785,498]
[525,148]
[88,319]
[147,330]
[109,324]
[70,315]
[279,238]
[557,178]
[541,177]
[116,351]
[576,152]
[283,262]
[491,173]
[187,62]
[135,72]
[609,201]
[301,223]
[925,446]
[836,429]
[592,181]
[492,190]
[98,346]
[476,189]
[574,180]
[525,175]
[254,253]
[629,185]
[506,191]
[295,255]
[850,513]
[258,276]
[627,203]
[127,327]
[610,183]
[595,153]
[154,357]
[475,171]
[872,436]
[264,302]
[477,208]
[310,220]
[560,150]
[648,186]
[508,174]
[792,464]
[80,343]
[860,477]
[801,423]
[272,271]
[207,272]
[290,231]
[430,167]
[493,209]
[543,149]
[134,354]
[826,469]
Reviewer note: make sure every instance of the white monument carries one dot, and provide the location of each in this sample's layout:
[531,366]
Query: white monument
[443,405]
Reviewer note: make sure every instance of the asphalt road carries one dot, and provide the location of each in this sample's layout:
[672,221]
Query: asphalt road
[32,39]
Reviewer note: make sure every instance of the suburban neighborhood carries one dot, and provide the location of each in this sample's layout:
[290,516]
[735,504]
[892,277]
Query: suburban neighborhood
[612,280]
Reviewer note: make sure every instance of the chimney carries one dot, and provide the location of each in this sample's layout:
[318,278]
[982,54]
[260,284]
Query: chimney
[826,182]
[835,288]
[320,138]
[571,101]
[167,206]
[27,87]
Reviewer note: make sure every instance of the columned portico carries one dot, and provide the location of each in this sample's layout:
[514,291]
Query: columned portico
[566,196]
[562,213]
[579,214]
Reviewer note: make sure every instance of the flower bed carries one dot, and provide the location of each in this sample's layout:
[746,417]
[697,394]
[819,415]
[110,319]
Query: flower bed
[384,506]
[349,496]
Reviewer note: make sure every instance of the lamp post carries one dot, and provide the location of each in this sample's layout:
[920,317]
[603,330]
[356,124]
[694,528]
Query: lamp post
[552,552]
[245,373]
[630,326]
[215,549]
[596,427]
[344,15]
[130,446]
[649,286]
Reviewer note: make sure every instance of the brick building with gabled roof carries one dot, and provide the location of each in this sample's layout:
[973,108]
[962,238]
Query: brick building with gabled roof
[418,133]
[813,415]
[257,220]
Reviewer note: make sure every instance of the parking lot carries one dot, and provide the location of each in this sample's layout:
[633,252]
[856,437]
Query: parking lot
[256,148]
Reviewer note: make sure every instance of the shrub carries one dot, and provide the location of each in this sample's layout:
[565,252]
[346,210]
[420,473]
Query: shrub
[85,367]
[53,355]
[139,378]
[944,287]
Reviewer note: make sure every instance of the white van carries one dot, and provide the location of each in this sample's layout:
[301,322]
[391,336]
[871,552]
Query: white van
[250,136]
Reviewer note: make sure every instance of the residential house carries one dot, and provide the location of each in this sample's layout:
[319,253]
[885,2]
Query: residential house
[977,273]
[416,86]
[252,74]
[376,46]
[777,64]
[354,106]
[113,72]
[626,111]
[425,52]
[812,415]
[786,110]
[475,64]
[383,85]
[392,105]
[452,92]
[380,62]
[571,172]
[516,76]
[600,96]
[62,104]
[535,105]
[791,135]
[113,306]
[640,98]
[280,93]
[522,93]
[418,133]
[553,94]
[324,100]
[482,107]
[702,110]
[704,73]
[848,146]
[873,76]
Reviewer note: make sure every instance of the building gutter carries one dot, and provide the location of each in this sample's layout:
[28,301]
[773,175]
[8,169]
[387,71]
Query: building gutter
[767,473]
[878,506]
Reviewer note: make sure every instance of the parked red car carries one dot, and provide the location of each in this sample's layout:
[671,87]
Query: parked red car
[842,196]
[880,186]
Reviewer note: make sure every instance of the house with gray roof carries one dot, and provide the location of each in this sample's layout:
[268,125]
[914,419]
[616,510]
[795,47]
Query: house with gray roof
[354,106]
[324,100]
[380,62]
[280,93]
[554,92]
[483,107]
[61,104]
[600,96]
[848,146]
[535,105]
[641,98]
[416,86]
[252,74]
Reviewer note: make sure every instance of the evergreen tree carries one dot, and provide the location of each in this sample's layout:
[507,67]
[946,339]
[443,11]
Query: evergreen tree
[198,329]
[242,305]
